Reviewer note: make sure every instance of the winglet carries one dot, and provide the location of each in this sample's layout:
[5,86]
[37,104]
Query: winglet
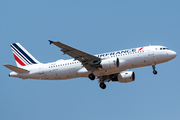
[50,42]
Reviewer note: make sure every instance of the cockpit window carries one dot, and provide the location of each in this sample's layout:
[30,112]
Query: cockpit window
[164,48]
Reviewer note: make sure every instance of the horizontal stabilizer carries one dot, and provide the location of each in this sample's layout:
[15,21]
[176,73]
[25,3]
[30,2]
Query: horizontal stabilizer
[16,69]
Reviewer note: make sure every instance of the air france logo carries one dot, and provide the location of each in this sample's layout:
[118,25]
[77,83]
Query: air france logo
[140,48]
[117,53]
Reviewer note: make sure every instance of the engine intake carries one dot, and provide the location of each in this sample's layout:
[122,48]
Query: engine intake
[125,77]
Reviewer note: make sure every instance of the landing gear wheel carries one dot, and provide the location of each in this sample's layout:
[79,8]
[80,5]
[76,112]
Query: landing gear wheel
[102,85]
[91,76]
[155,72]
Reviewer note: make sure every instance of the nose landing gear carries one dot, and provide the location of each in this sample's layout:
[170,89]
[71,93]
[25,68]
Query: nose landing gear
[154,71]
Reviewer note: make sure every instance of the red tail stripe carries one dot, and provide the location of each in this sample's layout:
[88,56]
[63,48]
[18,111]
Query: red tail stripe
[18,60]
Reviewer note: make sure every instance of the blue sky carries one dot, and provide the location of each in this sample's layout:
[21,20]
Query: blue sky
[94,27]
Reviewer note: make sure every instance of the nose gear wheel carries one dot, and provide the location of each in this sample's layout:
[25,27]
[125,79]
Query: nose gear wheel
[154,71]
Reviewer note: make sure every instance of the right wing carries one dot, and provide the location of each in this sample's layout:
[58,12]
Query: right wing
[86,59]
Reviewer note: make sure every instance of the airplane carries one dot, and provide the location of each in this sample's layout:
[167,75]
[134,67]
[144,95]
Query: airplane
[106,67]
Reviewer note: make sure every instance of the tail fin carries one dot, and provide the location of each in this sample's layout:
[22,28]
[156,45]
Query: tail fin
[22,56]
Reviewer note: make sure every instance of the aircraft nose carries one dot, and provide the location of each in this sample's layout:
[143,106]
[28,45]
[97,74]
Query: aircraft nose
[173,54]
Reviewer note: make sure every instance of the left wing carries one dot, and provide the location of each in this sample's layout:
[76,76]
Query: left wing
[86,59]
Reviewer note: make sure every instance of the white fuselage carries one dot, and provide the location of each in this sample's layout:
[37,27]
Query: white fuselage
[128,59]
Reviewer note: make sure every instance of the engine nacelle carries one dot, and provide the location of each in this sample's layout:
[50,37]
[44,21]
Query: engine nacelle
[110,63]
[125,77]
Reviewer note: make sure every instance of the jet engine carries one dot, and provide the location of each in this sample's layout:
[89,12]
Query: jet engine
[125,77]
[110,63]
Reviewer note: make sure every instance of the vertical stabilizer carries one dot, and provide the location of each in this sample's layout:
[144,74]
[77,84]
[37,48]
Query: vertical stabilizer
[22,56]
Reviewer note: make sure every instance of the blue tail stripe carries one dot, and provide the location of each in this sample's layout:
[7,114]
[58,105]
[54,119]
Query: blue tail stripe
[31,60]
[20,54]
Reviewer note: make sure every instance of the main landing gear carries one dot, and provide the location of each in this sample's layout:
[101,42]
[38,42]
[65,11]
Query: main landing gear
[154,71]
[102,85]
[91,76]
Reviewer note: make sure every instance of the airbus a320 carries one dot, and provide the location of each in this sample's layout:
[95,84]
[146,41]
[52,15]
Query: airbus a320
[106,67]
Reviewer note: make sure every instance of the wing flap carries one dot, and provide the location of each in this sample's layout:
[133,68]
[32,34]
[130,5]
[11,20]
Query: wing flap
[16,69]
